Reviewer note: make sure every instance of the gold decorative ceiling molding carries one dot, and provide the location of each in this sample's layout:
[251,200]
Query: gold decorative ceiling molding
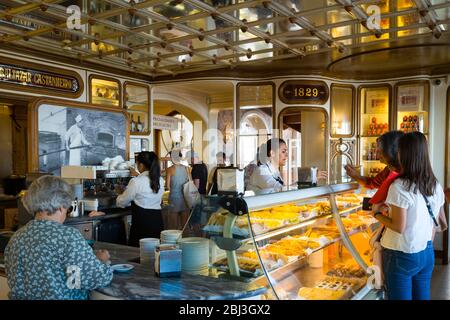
[160,38]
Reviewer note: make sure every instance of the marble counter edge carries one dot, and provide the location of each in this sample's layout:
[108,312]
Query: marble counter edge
[146,286]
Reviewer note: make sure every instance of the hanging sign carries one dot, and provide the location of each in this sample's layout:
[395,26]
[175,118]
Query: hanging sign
[165,122]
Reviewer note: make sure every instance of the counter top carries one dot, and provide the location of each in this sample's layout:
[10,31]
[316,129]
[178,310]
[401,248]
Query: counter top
[142,284]
[7,199]
[110,213]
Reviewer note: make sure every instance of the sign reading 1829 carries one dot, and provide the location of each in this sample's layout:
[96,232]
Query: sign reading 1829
[309,92]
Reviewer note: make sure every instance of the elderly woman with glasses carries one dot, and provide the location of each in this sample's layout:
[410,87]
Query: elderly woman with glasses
[47,260]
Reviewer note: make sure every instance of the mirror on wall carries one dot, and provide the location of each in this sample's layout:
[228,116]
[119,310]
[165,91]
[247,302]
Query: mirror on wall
[341,110]
[305,132]
[255,119]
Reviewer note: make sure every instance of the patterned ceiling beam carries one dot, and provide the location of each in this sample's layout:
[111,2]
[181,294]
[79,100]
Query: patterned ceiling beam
[360,14]
[243,26]
[427,13]
[304,23]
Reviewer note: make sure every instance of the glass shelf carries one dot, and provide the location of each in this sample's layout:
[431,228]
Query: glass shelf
[108,101]
[138,108]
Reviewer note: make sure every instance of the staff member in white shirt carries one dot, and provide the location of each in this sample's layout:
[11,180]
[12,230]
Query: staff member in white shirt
[144,193]
[408,255]
[267,178]
[75,139]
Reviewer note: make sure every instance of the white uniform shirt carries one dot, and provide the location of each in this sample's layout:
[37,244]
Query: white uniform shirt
[139,191]
[75,138]
[264,179]
[419,225]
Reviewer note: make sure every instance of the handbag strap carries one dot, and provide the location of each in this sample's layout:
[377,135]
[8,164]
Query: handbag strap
[430,211]
[188,174]
[380,235]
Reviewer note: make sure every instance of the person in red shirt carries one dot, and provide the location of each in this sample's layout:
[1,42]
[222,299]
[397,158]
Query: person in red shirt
[387,152]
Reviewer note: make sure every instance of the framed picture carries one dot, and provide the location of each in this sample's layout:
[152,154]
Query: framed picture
[68,133]
[377,101]
[410,97]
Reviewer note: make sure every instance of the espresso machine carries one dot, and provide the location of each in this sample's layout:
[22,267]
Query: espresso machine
[75,176]
[95,187]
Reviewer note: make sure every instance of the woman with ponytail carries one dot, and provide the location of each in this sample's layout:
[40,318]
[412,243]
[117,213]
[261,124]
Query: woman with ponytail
[144,192]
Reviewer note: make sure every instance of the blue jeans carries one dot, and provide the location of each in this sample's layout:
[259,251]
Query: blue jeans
[407,276]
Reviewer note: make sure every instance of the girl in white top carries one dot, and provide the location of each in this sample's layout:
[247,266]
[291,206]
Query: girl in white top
[144,193]
[267,178]
[408,255]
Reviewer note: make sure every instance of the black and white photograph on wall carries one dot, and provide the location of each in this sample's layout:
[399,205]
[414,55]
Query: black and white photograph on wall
[78,137]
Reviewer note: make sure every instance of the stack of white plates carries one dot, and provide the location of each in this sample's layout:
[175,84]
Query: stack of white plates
[147,249]
[195,255]
[170,236]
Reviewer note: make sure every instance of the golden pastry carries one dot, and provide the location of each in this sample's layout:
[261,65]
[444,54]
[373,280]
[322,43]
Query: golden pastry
[320,294]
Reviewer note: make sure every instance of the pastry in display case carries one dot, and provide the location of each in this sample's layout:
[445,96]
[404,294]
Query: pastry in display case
[302,244]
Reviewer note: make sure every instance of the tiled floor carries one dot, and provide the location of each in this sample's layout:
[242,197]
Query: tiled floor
[440,283]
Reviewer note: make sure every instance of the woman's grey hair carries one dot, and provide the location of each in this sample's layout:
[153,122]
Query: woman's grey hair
[48,194]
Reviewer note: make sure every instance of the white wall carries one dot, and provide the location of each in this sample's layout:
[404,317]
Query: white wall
[438,105]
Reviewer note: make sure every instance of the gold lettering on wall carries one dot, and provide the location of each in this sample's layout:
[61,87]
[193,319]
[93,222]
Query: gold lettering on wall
[34,78]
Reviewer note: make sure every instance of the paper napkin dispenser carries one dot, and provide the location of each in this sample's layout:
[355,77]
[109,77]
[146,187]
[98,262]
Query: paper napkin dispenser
[230,180]
[167,261]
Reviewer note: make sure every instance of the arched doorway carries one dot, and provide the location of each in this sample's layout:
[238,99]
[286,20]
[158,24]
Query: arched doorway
[255,129]
[182,138]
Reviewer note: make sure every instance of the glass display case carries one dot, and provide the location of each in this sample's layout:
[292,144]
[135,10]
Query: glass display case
[375,111]
[137,103]
[412,106]
[309,244]
[104,91]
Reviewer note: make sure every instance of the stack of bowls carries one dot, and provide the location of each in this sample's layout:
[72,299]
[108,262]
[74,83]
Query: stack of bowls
[170,236]
[195,255]
[147,249]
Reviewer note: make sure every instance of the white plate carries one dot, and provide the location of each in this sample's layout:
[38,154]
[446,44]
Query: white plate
[122,267]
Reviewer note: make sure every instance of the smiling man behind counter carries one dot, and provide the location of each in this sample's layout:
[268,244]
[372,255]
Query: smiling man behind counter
[46,260]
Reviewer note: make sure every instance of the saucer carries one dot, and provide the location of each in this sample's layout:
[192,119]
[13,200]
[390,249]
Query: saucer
[122,267]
